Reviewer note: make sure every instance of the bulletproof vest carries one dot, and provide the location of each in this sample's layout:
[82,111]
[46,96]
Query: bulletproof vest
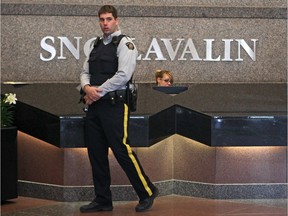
[103,60]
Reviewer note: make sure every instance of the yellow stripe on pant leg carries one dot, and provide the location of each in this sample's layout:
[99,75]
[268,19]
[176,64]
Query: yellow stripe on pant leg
[147,188]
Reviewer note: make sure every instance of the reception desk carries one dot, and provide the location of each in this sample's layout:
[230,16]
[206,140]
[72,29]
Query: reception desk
[215,131]
[51,113]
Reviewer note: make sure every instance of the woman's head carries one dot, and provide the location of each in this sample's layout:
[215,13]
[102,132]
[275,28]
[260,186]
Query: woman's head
[163,78]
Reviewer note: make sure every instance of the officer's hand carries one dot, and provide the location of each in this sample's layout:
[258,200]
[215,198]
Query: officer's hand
[92,94]
[87,100]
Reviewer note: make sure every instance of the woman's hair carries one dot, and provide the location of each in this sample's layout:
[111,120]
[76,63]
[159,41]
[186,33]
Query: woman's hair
[160,74]
[108,9]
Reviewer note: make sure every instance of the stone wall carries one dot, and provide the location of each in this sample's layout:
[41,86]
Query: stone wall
[260,26]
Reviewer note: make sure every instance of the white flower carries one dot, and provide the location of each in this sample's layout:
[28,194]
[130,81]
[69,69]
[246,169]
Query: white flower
[7,109]
[10,98]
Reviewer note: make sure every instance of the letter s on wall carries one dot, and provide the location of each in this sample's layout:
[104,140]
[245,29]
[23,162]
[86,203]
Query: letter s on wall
[48,48]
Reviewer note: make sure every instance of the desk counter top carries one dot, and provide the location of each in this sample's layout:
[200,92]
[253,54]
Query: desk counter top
[213,114]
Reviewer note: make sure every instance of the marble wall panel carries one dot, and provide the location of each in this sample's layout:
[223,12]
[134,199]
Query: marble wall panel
[193,161]
[177,165]
[39,161]
[173,158]
[42,162]
[251,165]
[158,160]
[21,37]
[77,168]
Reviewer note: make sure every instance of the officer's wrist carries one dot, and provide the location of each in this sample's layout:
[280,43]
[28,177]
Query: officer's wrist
[86,86]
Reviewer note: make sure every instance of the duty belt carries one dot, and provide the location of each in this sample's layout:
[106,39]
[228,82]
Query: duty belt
[115,96]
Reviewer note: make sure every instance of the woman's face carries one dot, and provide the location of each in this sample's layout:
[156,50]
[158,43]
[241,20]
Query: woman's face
[164,81]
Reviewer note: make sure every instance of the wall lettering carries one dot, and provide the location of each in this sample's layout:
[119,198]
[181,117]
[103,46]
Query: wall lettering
[185,49]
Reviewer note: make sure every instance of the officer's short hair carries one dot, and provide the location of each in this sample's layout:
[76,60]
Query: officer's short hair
[108,9]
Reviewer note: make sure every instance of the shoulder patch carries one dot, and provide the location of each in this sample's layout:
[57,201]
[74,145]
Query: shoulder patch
[130,45]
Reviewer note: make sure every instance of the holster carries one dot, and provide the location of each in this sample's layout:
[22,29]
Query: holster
[82,94]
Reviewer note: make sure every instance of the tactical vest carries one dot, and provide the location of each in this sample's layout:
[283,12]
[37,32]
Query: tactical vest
[103,60]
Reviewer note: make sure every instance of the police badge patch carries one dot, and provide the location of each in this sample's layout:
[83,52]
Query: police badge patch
[130,45]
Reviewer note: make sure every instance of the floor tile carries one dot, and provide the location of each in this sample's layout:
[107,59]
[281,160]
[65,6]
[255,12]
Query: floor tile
[164,206]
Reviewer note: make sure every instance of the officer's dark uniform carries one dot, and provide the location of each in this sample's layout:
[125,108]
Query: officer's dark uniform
[107,126]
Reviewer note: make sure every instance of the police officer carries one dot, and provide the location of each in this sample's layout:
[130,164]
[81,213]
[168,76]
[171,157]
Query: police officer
[105,74]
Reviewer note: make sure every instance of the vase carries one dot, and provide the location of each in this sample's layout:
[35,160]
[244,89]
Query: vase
[9,163]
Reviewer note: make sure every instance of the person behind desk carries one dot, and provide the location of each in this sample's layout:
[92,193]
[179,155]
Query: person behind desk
[163,78]
[105,74]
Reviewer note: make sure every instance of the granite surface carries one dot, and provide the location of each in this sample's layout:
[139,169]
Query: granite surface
[25,25]
[236,3]
[147,10]
[176,187]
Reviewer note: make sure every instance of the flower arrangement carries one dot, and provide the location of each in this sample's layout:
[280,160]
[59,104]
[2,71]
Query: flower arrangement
[7,113]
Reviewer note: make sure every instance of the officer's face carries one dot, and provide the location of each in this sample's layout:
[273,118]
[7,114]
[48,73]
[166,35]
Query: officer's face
[108,23]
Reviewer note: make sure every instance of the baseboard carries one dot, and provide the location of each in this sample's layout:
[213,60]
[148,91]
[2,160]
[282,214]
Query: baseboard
[177,187]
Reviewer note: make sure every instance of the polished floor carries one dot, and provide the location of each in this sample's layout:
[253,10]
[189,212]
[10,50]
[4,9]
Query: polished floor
[172,205]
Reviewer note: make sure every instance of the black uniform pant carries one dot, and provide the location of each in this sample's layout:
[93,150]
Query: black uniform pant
[107,126]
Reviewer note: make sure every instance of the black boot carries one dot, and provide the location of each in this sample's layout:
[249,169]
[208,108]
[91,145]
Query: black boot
[146,204]
[95,207]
